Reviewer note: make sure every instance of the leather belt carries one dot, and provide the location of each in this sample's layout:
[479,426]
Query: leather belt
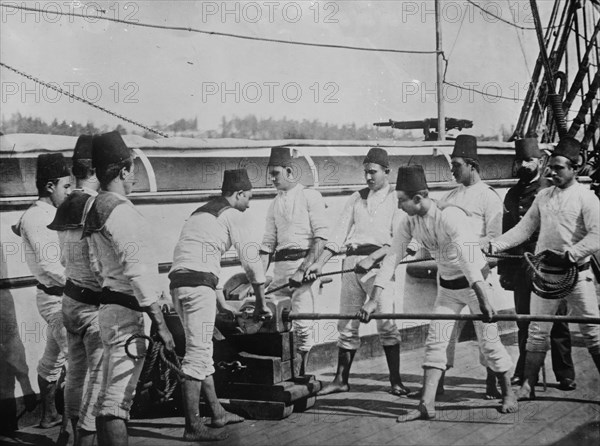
[83,295]
[51,290]
[188,277]
[362,250]
[461,283]
[289,254]
[114,297]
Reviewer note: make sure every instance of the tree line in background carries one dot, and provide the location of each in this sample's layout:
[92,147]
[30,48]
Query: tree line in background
[248,127]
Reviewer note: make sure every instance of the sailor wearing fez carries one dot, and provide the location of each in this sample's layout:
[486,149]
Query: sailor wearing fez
[567,215]
[120,249]
[485,208]
[209,232]
[81,297]
[514,276]
[53,182]
[364,231]
[462,271]
[295,234]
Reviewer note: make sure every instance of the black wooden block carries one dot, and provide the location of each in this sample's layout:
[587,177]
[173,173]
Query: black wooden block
[265,344]
[263,369]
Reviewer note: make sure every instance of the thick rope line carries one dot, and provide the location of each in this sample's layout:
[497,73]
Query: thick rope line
[85,101]
[222,34]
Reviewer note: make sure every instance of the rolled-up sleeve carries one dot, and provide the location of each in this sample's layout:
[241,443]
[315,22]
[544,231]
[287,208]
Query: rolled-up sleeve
[339,233]
[523,230]
[397,251]
[246,247]
[131,238]
[269,241]
[317,214]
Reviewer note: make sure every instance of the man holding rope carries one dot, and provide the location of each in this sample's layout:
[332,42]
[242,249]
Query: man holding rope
[568,217]
[119,240]
[513,275]
[462,271]
[364,231]
[208,234]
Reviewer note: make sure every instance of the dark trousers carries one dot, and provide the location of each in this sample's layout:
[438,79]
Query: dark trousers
[560,336]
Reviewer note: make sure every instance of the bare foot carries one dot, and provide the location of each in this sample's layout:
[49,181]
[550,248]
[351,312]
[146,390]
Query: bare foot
[417,394]
[399,390]
[509,403]
[420,413]
[225,419]
[51,422]
[200,433]
[333,388]
[526,392]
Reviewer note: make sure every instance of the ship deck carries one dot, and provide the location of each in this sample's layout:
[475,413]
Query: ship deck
[367,414]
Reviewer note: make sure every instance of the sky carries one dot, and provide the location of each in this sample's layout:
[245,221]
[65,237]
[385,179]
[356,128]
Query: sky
[154,75]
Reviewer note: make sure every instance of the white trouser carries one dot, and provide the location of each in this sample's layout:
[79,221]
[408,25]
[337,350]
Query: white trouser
[55,353]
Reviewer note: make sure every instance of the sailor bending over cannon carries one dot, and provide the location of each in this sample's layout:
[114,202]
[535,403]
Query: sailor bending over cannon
[364,231]
[81,298]
[120,249]
[295,234]
[568,217]
[208,234]
[53,181]
[462,271]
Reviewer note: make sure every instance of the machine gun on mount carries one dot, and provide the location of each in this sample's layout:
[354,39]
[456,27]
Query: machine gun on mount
[428,125]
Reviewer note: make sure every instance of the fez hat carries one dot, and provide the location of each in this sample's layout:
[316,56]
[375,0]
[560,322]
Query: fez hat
[378,156]
[527,148]
[109,148]
[234,180]
[83,148]
[281,156]
[569,148]
[51,166]
[465,146]
[411,178]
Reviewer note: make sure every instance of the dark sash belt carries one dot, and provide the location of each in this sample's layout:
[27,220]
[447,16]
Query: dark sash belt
[362,250]
[188,277]
[289,254]
[582,267]
[114,297]
[83,295]
[461,283]
[51,290]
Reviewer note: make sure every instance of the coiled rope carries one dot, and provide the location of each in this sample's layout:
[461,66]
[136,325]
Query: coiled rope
[161,366]
[548,288]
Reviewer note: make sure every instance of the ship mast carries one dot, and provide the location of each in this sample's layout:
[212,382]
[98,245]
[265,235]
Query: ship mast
[440,73]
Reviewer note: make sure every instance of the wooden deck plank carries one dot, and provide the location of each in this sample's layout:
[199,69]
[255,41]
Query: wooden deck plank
[367,415]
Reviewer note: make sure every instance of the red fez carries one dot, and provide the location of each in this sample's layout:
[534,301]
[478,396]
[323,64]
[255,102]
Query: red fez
[281,156]
[465,146]
[527,148]
[234,180]
[411,179]
[51,166]
[377,156]
[569,148]
[83,148]
[109,148]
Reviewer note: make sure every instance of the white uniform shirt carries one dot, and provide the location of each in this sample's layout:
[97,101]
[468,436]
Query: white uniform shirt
[205,238]
[294,219]
[568,220]
[123,254]
[41,246]
[485,206]
[371,221]
[446,235]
